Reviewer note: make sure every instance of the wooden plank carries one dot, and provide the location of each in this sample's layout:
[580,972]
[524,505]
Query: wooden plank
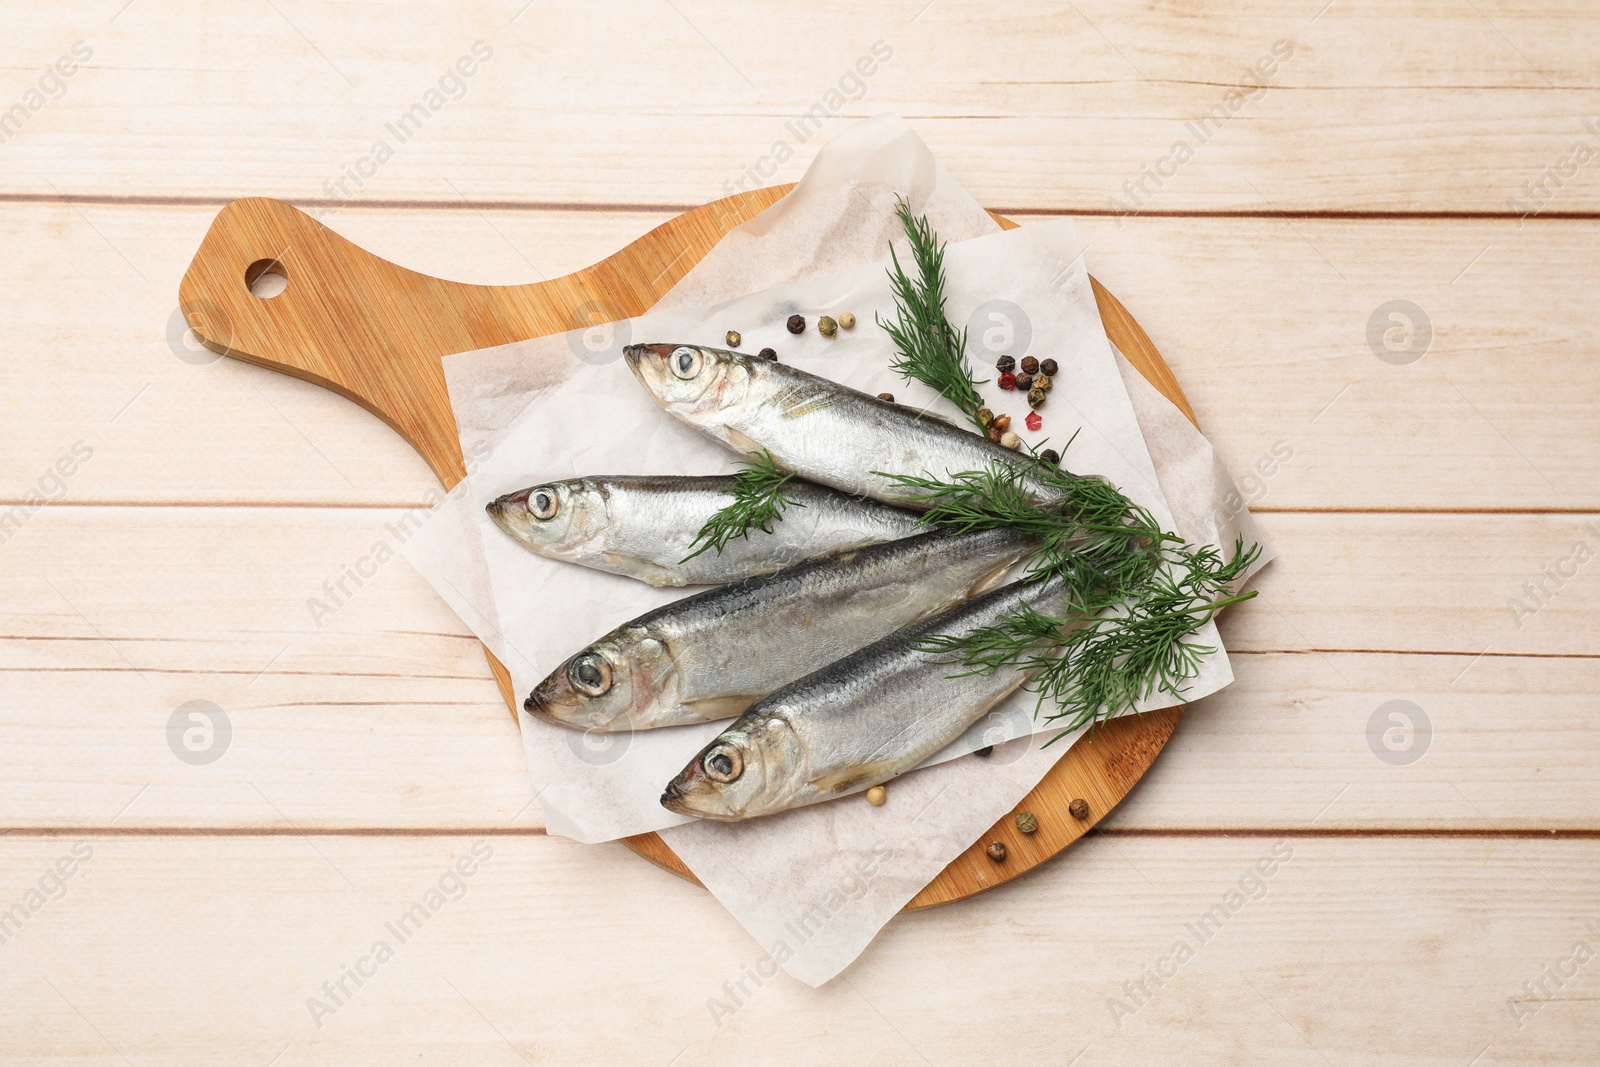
[169,950]
[1048,107]
[383,716]
[96,355]
[1486,405]
[1497,414]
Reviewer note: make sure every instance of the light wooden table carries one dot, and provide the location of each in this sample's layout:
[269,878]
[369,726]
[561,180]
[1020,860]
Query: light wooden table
[1430,888]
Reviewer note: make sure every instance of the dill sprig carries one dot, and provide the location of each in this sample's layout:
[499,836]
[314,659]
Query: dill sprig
[1120,648]
[929,348]
[759,500]
[1140,592]
[1090,534]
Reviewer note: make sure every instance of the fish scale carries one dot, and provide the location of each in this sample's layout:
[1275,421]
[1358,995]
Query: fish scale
[711,655]
[644,527]
[859,721]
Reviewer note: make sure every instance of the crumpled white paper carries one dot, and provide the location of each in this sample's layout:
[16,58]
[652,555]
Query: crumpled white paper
[815,885]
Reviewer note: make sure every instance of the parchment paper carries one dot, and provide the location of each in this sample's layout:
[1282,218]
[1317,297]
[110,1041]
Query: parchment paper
[813,886]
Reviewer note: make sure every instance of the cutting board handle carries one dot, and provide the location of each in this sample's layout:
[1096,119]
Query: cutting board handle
[374,332]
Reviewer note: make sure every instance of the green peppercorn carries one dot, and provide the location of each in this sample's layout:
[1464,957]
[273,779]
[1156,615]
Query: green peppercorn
[826,326]
[1048,366]
[796,324]
[1036,398]
[985,417]
[1030,365]
[1042,381]
[1027,822]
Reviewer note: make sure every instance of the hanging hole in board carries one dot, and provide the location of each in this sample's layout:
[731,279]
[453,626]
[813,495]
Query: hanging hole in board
[266,278]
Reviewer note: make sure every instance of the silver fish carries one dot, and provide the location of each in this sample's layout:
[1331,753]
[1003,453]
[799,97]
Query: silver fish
[711,655]
[871,716]
[643,527]
[820,429]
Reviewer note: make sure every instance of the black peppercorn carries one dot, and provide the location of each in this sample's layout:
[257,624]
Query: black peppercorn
[767,353]
[1005,363]
[985,752]
[1024,382]
[1051,456]
[886,396]
[1048,366]
[1030,365]
[797,324]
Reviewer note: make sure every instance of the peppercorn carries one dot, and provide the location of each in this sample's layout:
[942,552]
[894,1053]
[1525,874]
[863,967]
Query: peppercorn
[847,320]
[797,324]
[733,338]
[1008,381]
[985,417]
[996,852]
[1002,423]
[1079,809]
[1005,363]
[1042,381]
[1034,421]
[994,434]
[767,353]
[886,396]
[1027,822]
[1049,367]
[1051,456]
[1010,440]
[985,752]
[1036,398]
[1030,364]
[876,796]
[1024,381]
[827,326]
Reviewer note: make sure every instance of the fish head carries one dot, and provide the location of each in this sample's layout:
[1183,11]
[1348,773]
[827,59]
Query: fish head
[754,767]
[555,518]
[691,382]
[613,685]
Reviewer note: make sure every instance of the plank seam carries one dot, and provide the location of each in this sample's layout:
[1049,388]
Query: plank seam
[1521,833]
[626,207]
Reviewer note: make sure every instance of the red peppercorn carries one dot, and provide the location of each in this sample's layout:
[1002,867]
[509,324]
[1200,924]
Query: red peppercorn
[1008,381]
[1034,421]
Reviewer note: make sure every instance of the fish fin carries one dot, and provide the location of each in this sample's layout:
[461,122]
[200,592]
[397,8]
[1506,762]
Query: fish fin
[841,782]
[710,709]
[795,402]
[993,580]
[644,570]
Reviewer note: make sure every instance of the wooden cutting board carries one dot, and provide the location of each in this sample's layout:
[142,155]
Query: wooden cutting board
[374,332]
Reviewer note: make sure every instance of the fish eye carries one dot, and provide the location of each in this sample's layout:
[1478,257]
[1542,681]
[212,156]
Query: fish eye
[723,763]
[685,363]
[543,503]
[590,674]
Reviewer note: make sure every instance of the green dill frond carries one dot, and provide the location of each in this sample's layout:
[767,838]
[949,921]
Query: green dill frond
[1122,646]
[929,349]
[759,500]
